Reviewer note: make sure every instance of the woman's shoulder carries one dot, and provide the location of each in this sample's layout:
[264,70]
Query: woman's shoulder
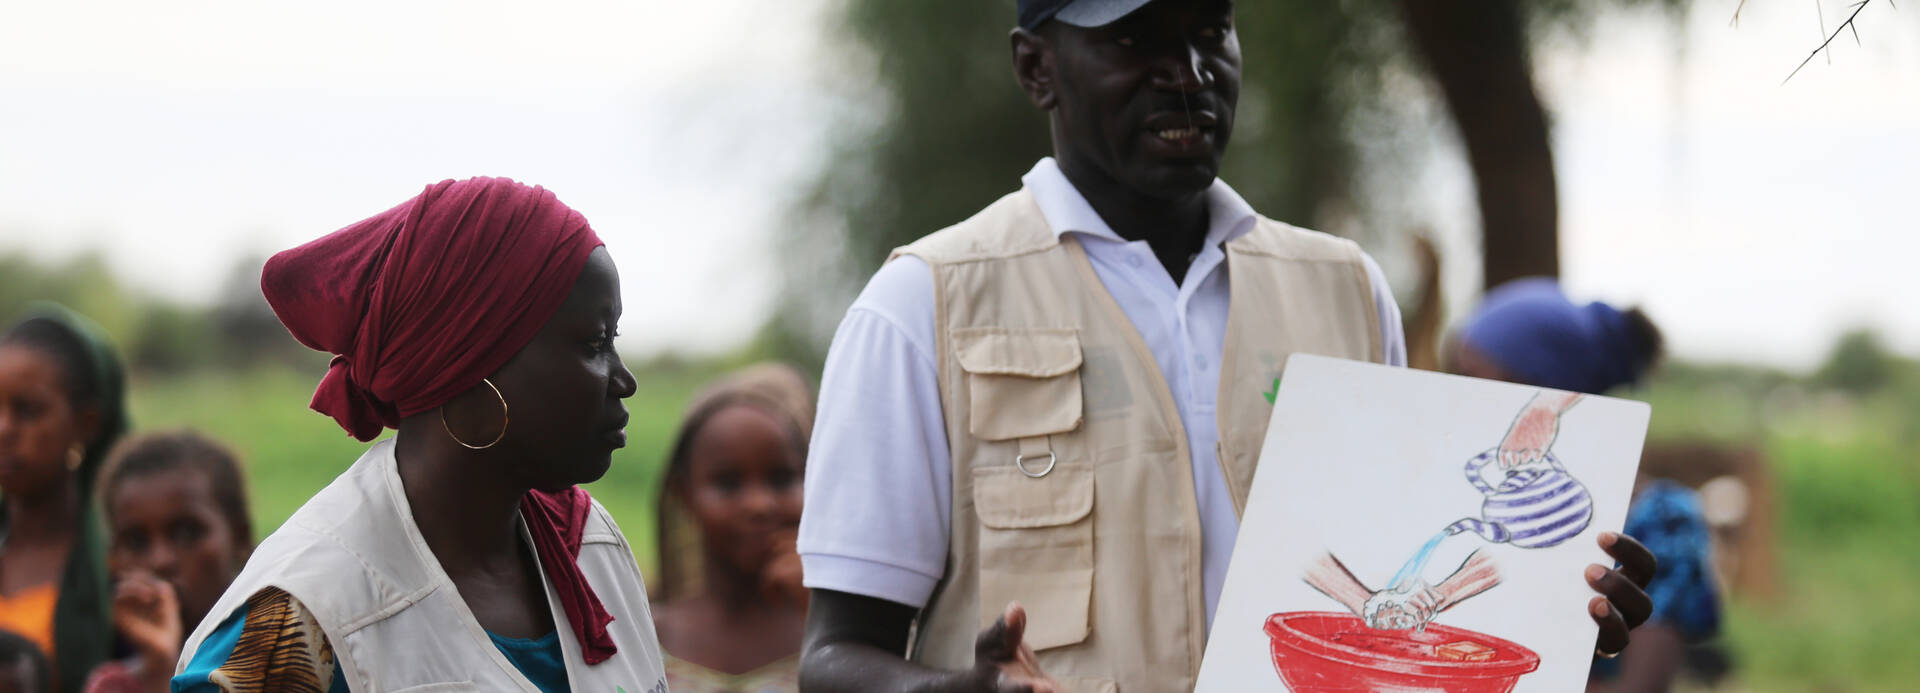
[600,533]
[312,562]
[345,551]
[600,526]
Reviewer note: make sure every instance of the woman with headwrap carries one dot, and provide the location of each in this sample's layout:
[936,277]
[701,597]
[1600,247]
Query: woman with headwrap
[1527,331]
[62,405]
[477,319]
[732,608]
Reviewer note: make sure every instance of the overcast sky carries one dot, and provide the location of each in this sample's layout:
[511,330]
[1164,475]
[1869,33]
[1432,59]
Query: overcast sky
[1754,220]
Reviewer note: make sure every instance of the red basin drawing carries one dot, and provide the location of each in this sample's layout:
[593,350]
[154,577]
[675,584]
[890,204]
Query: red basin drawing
[1335,652]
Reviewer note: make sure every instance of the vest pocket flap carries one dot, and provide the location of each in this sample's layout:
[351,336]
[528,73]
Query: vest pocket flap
[1005,498]
[1021,383]
[1024,352]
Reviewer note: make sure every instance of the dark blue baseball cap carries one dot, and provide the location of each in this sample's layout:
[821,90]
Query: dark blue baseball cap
[1084,13]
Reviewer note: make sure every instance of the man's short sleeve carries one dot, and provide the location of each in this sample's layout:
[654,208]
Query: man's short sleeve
[879,482]
[1393,335]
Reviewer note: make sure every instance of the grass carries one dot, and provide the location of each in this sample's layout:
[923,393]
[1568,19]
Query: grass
[1847,616]
[290,451]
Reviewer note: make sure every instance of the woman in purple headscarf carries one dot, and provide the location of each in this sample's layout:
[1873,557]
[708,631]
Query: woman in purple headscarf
[1527,331]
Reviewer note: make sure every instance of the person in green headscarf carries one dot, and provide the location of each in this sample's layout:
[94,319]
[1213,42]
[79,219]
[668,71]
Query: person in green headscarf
[62,406]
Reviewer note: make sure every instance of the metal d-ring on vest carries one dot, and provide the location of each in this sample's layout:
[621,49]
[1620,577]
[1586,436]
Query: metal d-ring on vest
[1021,462]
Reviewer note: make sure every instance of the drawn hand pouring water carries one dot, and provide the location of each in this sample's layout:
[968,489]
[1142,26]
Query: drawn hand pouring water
[1389,642]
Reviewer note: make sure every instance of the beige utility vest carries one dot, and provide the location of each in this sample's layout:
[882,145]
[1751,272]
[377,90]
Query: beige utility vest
[355,559]
[1072,487]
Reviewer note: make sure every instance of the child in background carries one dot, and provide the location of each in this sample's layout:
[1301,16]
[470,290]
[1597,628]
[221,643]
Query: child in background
[178,532]
[23,667]
[731,607]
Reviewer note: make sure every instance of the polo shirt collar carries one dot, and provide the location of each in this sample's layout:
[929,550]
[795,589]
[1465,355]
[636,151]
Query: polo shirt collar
[1066,210]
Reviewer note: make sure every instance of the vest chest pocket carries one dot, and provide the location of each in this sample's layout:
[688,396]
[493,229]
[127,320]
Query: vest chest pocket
[1021,382]
[1036,547]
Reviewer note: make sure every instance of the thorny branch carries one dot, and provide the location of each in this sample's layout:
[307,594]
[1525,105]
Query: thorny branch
[1844,26]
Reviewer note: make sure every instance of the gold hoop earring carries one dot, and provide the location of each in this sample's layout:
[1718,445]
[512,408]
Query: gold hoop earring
[503,421]
[76,456]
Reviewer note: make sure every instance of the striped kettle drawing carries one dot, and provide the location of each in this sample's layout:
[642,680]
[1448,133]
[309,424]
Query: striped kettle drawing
[1531,506]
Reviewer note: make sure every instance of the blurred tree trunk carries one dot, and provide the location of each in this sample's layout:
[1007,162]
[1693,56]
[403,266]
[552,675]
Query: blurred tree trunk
[1477,50]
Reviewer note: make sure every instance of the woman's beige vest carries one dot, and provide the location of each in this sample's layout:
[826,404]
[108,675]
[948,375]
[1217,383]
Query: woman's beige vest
[1072,489]
[355,559]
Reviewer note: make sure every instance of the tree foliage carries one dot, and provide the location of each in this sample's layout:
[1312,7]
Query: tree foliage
[1859,364]
[153,334]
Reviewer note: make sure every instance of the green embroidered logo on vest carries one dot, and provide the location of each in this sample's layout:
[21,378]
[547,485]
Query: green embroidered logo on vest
[1274,393]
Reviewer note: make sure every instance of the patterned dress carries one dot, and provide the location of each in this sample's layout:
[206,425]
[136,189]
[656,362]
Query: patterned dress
[274,644]
[278,647]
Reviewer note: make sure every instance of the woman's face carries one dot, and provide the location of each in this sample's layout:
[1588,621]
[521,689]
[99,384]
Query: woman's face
[168,524]
[742,484]
[563,389]
[38,424]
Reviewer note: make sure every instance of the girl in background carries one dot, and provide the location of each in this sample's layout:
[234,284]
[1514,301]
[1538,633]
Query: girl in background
[731,608]
[61,407]
[178,531]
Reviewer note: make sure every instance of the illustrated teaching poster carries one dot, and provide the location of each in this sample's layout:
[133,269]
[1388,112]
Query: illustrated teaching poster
[1416,531]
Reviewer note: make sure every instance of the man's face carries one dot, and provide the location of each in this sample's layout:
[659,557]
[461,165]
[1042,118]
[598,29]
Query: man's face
[1148,99]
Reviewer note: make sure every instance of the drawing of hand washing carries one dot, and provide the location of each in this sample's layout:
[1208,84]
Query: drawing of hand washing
[1408,602]
[1531,502]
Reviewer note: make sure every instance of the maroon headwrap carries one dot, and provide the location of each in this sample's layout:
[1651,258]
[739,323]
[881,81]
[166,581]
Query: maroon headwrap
[421,302]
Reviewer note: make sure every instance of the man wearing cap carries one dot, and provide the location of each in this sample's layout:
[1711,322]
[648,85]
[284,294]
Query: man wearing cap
[1051,404]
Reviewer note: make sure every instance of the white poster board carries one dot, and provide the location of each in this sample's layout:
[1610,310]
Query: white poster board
[1363,466]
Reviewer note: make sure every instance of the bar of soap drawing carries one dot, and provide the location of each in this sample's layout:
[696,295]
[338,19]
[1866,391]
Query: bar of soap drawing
[1464,651]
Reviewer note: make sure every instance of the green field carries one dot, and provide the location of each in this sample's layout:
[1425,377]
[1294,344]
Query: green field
[1848,482]
[1847,617]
